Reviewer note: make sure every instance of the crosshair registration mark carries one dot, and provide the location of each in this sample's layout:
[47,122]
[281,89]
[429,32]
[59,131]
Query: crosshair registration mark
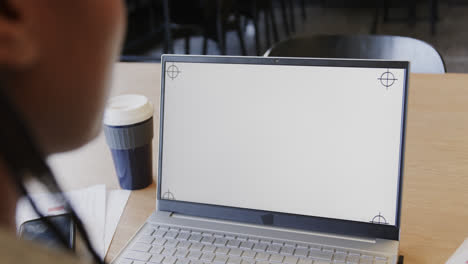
[379,219]
[173,71]
[387,79]
[168,195]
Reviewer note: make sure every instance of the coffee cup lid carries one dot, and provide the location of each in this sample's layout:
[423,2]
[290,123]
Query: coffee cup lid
[127,109]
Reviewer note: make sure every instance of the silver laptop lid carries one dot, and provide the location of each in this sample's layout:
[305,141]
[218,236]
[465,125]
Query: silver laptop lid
[304,143]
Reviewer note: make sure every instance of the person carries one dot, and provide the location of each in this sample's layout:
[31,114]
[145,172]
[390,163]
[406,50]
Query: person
[56,60]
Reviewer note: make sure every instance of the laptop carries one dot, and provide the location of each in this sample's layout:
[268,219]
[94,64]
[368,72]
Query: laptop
[277,160]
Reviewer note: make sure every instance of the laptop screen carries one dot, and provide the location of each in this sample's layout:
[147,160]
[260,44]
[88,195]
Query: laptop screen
[305,140]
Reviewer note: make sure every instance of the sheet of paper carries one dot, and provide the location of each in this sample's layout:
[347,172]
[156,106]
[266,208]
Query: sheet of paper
[116,201]
[461,255]
[89,204]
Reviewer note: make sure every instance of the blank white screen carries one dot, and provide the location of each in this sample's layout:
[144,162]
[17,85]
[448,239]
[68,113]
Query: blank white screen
[316,141]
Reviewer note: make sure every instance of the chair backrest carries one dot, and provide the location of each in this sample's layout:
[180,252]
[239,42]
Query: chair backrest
[423,57]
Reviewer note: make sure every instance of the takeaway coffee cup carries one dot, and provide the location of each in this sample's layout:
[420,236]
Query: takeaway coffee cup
[128,127]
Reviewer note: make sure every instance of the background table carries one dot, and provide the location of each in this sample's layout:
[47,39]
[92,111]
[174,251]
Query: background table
[435,192]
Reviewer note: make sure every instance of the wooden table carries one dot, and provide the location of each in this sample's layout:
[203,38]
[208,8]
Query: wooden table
[435,194]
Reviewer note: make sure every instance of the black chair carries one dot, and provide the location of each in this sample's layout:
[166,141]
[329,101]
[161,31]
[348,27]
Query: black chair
[142,26]
[209,18]
[221,16]
[180,22]
[250,10]
[292,15]
[148,23]
[423,57]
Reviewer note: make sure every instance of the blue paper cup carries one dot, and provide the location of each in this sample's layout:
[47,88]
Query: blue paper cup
[128,127]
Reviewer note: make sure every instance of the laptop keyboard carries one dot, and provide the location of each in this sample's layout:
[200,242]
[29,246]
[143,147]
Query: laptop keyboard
[171,245]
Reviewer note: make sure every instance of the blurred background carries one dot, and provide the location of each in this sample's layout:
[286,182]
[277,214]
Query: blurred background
[432,33]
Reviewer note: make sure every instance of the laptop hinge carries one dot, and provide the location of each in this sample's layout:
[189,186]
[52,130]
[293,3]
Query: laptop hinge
[273,228]
[163,213]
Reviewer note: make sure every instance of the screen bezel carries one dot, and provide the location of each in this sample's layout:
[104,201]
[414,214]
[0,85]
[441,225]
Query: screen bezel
[309,223]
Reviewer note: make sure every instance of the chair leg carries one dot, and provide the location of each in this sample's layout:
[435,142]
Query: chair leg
[291,16]
[224,52]
[434,15]
[152,15]
[220,29]
[375,21]
[220,36]
[257,39]
[303,10]
[205,44]
[386,9]
[273,22]
[187,44]
[267,28]
[257,32]
[285,17]
[240,35]
[168,47]
[243,22]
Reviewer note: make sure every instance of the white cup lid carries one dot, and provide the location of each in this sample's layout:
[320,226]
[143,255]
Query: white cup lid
[127,109]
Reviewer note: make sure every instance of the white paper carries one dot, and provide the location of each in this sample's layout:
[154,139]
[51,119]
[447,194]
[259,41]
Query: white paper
[461,255]
[100,212]
[116,201]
